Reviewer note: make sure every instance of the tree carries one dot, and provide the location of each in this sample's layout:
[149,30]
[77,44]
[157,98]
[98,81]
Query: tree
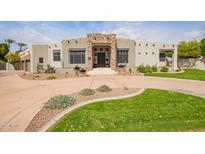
[21,45]
[4,49]
[13,58]
[9,42]
[189,49]
[203,47]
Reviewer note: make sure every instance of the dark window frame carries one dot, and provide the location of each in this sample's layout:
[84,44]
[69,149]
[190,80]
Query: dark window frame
[40,60]
[56,55]
[122,56]
[77,57]
[162,56]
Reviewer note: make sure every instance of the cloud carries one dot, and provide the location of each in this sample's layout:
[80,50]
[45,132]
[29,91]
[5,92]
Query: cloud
[46,32]
[196,34]
[123,29]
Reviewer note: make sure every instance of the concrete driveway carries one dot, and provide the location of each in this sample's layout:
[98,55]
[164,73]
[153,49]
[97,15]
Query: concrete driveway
[21,99]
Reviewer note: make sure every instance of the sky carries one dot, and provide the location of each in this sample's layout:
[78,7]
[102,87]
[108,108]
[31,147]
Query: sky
[54,31]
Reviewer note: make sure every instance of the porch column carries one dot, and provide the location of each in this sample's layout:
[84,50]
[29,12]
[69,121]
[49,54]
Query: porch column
[24,65]
[174,59]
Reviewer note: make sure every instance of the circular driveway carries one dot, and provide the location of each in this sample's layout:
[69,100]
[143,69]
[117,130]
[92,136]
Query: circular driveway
[21,99]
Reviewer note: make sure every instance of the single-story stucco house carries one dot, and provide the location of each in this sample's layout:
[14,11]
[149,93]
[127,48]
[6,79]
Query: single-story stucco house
[97,50]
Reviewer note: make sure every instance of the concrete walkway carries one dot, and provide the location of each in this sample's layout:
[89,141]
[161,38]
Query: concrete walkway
[21,99]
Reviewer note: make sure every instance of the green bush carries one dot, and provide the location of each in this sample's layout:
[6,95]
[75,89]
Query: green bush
[59,102]
[51,77]
[154,68]
[164,69]
[141,68]
[104,88]
[50,69]
[87,92]
[148,69]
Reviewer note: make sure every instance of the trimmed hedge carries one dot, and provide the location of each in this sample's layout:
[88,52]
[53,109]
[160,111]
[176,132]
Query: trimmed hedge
[164,69]
[147,69]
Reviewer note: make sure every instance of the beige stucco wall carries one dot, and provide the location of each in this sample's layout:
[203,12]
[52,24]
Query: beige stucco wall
[130,45]
[134,58]
[80,43]
[39,51]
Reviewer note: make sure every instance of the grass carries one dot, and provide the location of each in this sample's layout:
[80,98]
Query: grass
[192,74]
[153,110]
[51,77]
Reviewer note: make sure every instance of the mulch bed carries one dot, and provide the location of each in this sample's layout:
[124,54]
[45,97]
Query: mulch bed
[45,115]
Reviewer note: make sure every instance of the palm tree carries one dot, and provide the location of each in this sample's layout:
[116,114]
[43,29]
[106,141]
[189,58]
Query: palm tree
[21,45]
[9,42]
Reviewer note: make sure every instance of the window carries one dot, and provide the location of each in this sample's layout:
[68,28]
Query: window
[122,56]
[146,53]
[95,49]
[164,46]
[77,57]
[106,49]
[162,56]
[40,60]
[146,45]
[56,55]
[153,45]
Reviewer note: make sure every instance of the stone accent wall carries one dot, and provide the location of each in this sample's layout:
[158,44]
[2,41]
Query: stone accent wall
[197,63]
[101,38]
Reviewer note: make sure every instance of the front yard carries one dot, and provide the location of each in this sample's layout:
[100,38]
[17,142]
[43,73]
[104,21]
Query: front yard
[153,110]
[192,74]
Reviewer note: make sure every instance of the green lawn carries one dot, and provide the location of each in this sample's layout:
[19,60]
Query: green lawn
[153,110]
[192,74]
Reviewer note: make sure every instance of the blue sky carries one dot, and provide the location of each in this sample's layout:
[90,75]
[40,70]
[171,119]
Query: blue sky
[46,32]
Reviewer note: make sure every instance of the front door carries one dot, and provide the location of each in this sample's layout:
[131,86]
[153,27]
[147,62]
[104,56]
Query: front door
[101,59]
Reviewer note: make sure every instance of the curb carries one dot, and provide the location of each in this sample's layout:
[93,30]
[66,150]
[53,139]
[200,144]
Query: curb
[70,109]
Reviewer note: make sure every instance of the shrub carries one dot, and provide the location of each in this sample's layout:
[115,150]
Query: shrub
[76,68]
[49,69]
[82,70]
[148,69]
[59,102]
[141,68]
[51,77]
[39,68]
[164,69]
[154,68]
[36,76]
[104,88]
[130,70]
[87,92]
[125,88]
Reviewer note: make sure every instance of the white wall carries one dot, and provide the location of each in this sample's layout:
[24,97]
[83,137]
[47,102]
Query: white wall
[55,46]
[149,55]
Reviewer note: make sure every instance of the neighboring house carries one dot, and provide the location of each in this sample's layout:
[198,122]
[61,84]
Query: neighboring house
[98,50]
